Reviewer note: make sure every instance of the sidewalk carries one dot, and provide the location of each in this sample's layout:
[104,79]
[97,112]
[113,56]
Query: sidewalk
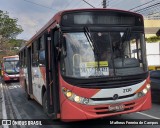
[0,101]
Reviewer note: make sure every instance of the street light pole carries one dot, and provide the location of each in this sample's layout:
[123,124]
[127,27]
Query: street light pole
[105,3]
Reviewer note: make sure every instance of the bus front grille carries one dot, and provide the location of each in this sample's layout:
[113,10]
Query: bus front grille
[111,84]
[111,98]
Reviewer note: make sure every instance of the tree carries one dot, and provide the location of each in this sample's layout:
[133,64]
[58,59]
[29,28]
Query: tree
[153,39]
[9,29]
[8,26]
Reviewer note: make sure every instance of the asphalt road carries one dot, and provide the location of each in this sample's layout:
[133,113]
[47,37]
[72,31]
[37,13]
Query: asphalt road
[14,105]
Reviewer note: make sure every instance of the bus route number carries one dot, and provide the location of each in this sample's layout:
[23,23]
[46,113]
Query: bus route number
[94,71]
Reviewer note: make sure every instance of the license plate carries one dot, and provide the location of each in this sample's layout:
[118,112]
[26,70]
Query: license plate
[15,78]
[119,107]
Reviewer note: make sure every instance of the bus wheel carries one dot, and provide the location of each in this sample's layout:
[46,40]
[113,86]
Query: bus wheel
[28,96]
[44,103]
[26,93]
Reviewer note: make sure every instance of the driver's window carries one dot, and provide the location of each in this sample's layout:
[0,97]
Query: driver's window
[135,47]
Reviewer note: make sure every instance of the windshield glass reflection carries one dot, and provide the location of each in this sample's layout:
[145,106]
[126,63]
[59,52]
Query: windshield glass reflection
[11,66]
[118,53]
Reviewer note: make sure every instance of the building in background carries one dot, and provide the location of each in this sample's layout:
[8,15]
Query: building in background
[151,27]
[153,55]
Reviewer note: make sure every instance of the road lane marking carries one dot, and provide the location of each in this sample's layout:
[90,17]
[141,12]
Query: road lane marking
[13,86]
[13,105]
[4,114]
[144,114]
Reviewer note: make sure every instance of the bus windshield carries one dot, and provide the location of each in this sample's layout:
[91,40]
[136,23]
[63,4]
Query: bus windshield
[11,66]
[117,54]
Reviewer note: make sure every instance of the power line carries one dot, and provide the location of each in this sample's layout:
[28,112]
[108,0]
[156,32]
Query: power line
[146,8]
[94,1]
[88,3]
[153,13]
[80,5]
[98,4]
[149,11]
[75,4]
[67,5]
[115,3]
[40,5]
[141,5]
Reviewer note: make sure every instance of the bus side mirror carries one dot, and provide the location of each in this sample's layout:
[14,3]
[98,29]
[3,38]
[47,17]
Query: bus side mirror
[41,55]
[158,33]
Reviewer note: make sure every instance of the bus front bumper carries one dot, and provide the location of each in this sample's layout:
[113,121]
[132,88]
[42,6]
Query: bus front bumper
[10,77]
[71,111]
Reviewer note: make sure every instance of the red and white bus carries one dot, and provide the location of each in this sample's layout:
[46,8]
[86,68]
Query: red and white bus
[10,68]
[88,63]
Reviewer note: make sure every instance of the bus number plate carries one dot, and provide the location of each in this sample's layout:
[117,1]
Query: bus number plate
[116,107]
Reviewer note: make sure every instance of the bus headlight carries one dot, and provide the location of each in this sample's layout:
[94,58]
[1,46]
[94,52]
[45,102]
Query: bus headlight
[144,91]
[77,99]
[148,86]
[73,97]
[68,94]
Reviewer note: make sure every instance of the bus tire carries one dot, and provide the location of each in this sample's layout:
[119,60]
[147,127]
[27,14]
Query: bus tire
[26,92]
[28,96]
[44,103]
[6,82]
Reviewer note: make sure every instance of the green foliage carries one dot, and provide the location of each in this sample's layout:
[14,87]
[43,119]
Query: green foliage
[12,46]
[9,29]
[8,26]
[16,42]
[153,39]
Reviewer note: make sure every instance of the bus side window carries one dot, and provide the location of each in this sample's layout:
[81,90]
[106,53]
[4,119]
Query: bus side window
[25,58]
[41,55]
[22,58]
[35,54]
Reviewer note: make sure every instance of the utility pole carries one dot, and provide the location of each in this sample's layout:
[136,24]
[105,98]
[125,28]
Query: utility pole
[105,3]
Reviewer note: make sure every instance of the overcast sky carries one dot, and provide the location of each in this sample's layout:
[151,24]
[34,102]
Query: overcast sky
[33,14]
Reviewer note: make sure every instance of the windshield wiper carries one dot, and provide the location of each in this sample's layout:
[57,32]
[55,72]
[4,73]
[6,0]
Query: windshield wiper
[90,40]
[92,43]
[126,36]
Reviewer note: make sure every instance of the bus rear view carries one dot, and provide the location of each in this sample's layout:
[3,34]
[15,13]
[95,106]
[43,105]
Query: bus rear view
[10,68]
